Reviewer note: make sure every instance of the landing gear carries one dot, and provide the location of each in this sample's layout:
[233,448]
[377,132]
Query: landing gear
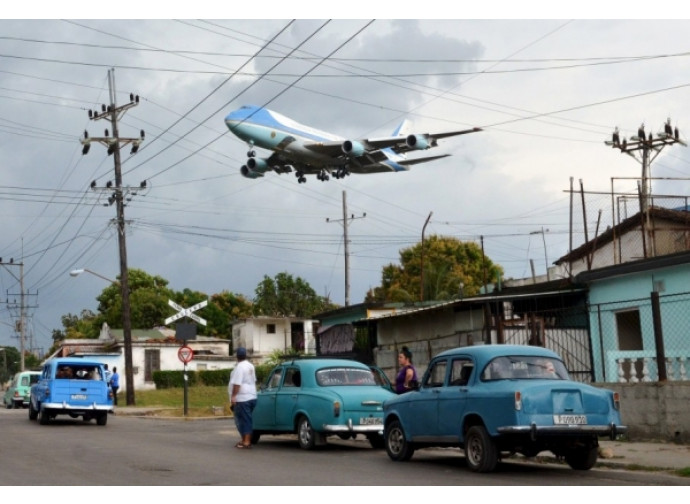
[341,173]
[323,176]
[251,153]
[300,177]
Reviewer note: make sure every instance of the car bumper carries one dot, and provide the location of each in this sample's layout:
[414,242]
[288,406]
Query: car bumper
[350,427]
[535,431]
[63,406]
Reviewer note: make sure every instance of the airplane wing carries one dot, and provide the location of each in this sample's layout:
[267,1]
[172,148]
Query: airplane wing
[413,142]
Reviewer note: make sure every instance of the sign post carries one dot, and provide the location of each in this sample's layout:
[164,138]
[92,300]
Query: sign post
[186,332]
[185,354]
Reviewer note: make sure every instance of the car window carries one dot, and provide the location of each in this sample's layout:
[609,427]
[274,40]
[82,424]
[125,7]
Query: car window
[293,378]
[436,375]
[330,377]
[460,372]
[274,379]
[34,378]
[524,367]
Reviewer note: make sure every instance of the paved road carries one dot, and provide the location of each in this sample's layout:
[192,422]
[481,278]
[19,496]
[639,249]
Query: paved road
[135,451]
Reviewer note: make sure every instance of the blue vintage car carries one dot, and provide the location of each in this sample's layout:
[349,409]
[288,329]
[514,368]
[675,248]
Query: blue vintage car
[493,400]
[71,386]
[317,398]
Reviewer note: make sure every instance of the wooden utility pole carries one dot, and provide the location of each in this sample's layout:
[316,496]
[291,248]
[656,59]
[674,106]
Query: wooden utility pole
[113,113]
[346,245]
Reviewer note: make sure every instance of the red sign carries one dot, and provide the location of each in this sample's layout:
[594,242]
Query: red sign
[185,354]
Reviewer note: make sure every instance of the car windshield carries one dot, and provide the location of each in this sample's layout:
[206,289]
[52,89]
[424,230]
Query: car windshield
[523,367]
[336,376]
[79,372]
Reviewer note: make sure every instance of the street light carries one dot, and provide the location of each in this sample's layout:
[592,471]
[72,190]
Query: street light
[78,272]
[126,327]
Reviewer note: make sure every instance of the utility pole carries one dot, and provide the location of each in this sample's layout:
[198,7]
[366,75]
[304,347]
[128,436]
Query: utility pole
[20,325]
[644,149]
[346,245]
[113,113]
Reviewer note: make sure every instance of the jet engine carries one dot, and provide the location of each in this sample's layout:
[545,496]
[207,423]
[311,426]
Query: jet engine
[258,165]
[246,172]
[417,142]
[352,148]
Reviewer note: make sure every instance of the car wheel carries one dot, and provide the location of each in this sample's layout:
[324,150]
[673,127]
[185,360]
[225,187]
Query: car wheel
[480,450]
[8,406]
[33,414]
[102,419]
[396,445]
[256,435]
[376,441]
[582,458]
[305,434]
[43,416]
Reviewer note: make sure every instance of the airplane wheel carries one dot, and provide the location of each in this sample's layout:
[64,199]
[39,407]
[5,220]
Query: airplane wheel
[251,153]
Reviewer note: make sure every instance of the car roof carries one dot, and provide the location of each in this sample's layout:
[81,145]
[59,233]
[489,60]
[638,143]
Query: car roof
[74,360]
[319,363]
[488,352]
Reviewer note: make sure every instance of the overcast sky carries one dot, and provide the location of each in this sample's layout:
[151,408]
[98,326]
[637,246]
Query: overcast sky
[547,94]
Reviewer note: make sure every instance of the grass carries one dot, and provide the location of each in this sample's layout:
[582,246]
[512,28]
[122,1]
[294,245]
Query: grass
[201,401]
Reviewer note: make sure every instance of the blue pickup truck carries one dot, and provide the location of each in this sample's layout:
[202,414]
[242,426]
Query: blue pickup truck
[71,386]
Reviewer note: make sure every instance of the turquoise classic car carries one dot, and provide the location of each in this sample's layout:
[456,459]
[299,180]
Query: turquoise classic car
[496,400]
[17,394]
[71,386]
[316,398]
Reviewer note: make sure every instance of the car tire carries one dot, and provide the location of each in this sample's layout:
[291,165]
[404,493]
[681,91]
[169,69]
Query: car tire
[305,434]
[43,416]
[102,419]
[376,441]
[8,406]
[33,414]
[583,457]
[480,450]
[397,446]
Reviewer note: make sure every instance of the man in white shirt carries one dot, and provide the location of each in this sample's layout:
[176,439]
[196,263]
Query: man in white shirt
[242,392]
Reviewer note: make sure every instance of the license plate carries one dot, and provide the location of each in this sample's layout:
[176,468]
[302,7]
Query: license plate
[370,421]
[79,397]
[570,419]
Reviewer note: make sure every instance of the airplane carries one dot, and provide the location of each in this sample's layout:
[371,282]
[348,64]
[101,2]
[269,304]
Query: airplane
[307,151]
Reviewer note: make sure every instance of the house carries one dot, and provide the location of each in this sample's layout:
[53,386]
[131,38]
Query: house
[636,310]
[152,350]
[263,335]
[658,232]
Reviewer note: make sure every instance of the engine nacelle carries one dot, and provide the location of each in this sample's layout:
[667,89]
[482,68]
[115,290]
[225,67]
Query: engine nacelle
[417,142]
[258,165]
[352,148]
[246,172]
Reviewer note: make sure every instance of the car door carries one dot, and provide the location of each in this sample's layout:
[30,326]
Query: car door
[287,398]
[424,404]
[264,417]
[452,398]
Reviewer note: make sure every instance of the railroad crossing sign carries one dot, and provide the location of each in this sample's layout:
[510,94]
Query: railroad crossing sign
[186,312]
[185,354]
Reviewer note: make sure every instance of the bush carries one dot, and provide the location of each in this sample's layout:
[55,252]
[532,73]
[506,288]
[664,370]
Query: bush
[175,379]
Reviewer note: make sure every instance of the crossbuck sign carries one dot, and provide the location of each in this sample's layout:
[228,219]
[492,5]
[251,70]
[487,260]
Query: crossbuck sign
[186,312]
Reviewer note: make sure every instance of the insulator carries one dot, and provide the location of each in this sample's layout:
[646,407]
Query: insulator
[676,134]
[93,184]
[131,97]
[109,184]
[143,184]
[616,138]
[650,136]
[90,114]
[85,149]
[102,107]
[106,132]
[141,134]
[640,132]
[136,98]
[86,134]
[110,108]
[625,144]
[135,148]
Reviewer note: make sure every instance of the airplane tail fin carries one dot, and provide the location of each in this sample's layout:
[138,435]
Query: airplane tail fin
[403,128]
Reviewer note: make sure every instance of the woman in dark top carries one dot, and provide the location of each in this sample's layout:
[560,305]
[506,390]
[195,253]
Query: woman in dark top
[407,373]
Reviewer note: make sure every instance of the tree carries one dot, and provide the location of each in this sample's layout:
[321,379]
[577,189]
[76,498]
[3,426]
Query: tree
[452,269]
[285,296]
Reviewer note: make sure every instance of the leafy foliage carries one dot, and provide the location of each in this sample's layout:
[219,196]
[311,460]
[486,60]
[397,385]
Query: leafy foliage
[452,268]
[285,296]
